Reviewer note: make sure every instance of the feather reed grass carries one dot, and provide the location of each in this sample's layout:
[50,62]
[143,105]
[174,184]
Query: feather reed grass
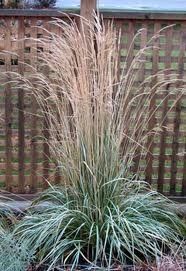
[98,119]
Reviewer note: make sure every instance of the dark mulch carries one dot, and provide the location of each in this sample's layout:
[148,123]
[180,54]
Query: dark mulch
[90,268]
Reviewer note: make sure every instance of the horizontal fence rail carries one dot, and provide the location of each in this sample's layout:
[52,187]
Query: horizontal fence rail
[25,162]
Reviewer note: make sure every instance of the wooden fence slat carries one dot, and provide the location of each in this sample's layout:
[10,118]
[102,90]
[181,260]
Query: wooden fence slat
[8,110]
[183,191]
[175,148]
[57,175]
[152,106]
[129,58]
[141,76]
[33,125]
[143,43]
[130,44]
[183,45]
[21,118]
[164,113]
[46,134]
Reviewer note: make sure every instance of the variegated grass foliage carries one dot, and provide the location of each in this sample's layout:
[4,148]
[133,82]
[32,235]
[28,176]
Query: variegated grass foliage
[14,255]
[98,119]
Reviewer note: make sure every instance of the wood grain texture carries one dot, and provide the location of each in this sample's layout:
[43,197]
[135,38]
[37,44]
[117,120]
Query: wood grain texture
[46,133]
[152,108]
[34,119]
[20,105]
[8,111]
[162,157]
[87,8]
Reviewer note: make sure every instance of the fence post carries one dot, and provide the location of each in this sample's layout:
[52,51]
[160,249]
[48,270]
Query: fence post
[87,8]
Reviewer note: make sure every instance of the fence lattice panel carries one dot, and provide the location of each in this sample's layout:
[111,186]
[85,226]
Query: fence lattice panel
[25,162]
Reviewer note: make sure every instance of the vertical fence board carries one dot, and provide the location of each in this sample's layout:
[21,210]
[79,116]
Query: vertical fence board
[130,44]
[46,134]
[129,59]
[34,119]
[183,191]
[143,43]
[175,147]
[162,158]
[152,120]
[177,119]
[21,118]
[141,77]
[8,111]
[182,72]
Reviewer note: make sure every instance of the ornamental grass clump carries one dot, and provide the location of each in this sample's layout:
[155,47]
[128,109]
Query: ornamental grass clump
[14,255]
[98,122]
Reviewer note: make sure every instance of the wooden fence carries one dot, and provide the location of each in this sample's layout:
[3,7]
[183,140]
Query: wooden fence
[24,156]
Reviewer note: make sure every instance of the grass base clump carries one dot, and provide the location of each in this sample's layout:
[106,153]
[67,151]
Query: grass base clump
[131,226]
